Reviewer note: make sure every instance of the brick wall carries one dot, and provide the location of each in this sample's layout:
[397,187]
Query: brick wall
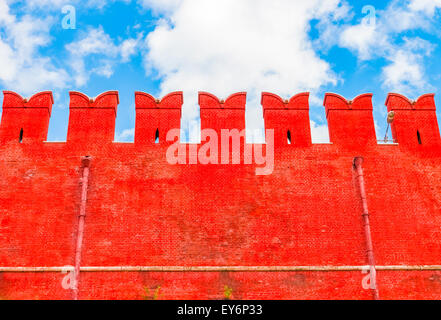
[142,211]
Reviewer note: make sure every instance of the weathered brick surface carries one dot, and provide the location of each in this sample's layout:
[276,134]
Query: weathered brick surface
[142,211]
[33,286]
[197,286]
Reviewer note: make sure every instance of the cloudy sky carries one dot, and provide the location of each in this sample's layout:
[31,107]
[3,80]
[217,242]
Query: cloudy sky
[227,46]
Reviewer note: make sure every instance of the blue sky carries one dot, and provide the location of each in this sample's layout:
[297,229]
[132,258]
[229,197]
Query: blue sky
[281,46]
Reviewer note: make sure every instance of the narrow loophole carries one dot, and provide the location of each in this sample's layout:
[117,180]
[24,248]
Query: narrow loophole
[157,136]
[419,137]
[289,137]
[20,138]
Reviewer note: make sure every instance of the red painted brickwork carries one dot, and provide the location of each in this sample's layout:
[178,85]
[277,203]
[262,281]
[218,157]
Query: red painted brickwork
[154,116]
[142,211]
[288,116]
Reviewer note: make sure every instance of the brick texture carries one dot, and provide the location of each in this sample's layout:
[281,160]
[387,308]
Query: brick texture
[142,211]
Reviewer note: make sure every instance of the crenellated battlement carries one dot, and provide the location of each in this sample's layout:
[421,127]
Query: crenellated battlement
[25,120]
[92,120]
[173,100]
[42,100]
[106,100]
[350,122]
[397,101]
[285,219]
[210,101]
[155,117]
[415,123]
[271,101]
[218,114]
[288,118]
[334,101]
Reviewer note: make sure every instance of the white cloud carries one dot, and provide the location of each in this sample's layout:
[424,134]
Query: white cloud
[404,73]
[162,6]
[224,46]
[96,41]
[22,67]
[126,135]
[23,37]
[5,16]
[8,68]
[386,39]
[319,133]
[57,4]
[363,39]
[95,52]
[228,46]
[428,6]
[25,69]
[129,48]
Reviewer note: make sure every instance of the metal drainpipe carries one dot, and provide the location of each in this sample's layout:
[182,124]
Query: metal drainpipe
[85,165]
[358,166]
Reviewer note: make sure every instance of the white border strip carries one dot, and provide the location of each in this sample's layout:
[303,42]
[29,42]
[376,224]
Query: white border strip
[220,269]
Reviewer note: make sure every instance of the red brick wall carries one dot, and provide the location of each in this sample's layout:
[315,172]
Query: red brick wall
[142,211]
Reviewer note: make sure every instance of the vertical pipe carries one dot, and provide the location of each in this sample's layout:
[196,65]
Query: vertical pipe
[358,166]
[85,165]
